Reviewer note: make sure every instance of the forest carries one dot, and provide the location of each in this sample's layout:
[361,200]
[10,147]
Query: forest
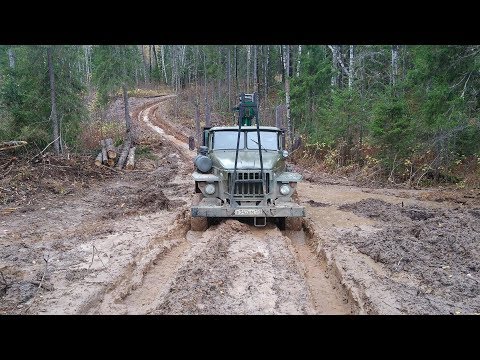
[396,113]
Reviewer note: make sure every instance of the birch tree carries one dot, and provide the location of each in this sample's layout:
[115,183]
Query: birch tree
[265,72]
[162,51]
[229,66]
[55,127]
[394,68]
[335,65]
[255,69]
[11,58]
[351,67]
[287,92]
[144,64]
[248,68]
[299,59]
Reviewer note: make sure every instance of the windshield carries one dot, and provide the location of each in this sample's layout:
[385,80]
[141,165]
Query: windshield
[227,140]
[268,140]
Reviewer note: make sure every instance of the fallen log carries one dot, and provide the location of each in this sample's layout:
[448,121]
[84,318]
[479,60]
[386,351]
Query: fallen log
[98,160]
[112,154]
[7,145]
[123,155]
[104,152]
[131,159]
[118,150]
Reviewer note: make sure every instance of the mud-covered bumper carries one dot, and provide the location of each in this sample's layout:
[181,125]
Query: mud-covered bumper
[287,209]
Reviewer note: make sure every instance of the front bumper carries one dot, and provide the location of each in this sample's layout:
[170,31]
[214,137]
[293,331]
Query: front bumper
[286,209]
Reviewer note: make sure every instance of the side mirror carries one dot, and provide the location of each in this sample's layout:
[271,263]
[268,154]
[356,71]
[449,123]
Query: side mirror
[285,153]
[191,143]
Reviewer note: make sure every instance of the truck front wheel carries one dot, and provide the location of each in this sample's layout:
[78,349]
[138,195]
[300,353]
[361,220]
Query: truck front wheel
[199,223]
[290,223]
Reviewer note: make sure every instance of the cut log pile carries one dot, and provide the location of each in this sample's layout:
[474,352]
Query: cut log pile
[8,145]
[117,157]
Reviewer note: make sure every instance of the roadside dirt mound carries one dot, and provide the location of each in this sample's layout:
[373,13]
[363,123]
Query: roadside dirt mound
[438,246]
[235,269]
[23,181]
[127,200]
[377,209]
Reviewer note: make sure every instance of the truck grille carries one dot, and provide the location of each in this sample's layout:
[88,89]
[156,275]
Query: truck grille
[249,184]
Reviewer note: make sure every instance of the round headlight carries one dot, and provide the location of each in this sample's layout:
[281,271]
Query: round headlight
[210,189]
[284,189]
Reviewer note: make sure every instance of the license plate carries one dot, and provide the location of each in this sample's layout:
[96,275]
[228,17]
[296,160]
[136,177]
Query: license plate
[248,212]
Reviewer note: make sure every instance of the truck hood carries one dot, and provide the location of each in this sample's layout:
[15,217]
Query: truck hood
[246,159]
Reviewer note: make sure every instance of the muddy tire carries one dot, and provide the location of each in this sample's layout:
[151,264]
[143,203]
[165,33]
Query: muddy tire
[295,198]
[197,198]
[289,223]
[293,223]
[199,223]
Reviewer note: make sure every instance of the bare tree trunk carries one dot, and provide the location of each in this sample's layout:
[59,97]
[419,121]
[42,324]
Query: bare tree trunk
[235,53]
[88,62]
[150,63]
[287,92]
[208,121]
[299,59]
[282,59]
[156,61]
[163,64]
[335,55]
[56,136]
[219,79]
[144,64]
[174,65]
[394,74]
[128,121]
[198,135]
[248,68]
[255,69]
[181,77]
[229,81]
[11,58]
[195,65]
[265,85]
[207,116]
[351,68]
[278,116]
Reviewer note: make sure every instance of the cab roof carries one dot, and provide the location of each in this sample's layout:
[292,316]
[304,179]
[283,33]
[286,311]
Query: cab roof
[235,128]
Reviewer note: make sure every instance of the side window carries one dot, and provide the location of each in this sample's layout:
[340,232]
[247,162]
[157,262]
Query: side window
[205,137]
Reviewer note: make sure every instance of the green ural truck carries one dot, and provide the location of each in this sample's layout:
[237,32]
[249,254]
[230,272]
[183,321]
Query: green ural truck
[240,172]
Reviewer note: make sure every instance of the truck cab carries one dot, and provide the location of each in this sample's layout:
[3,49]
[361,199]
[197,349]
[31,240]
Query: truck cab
[240,171]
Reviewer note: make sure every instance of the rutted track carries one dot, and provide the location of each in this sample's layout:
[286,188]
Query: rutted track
[115,261]
[259,270]
[232,268]
[125,247]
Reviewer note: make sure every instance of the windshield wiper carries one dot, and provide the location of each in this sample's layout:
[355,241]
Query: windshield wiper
[262,146]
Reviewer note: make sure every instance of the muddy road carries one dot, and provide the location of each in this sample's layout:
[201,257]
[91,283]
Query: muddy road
[125,247]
